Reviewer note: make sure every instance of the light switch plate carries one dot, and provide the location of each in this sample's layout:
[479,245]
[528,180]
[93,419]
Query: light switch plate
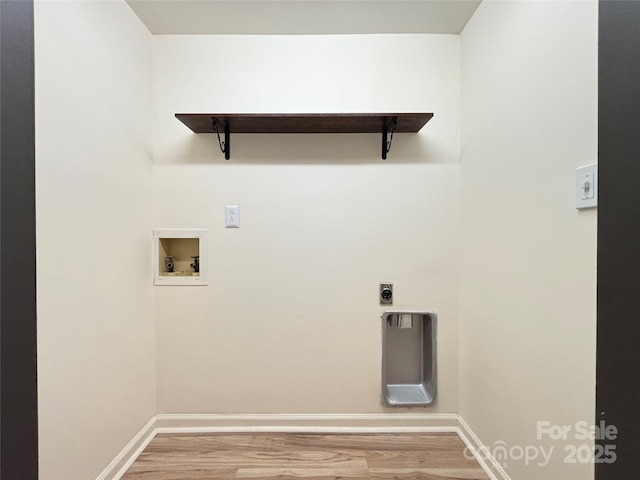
[587,186]
[232,216]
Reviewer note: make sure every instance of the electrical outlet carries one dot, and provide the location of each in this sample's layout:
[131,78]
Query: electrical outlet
[232,216]
[386,294]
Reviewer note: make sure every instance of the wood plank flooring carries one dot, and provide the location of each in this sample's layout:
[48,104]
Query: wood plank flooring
[275,456]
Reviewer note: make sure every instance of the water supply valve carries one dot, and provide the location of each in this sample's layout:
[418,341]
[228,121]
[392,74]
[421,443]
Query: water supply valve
[169,265]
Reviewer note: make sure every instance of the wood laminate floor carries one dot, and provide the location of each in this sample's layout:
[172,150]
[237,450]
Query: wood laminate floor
[309,456]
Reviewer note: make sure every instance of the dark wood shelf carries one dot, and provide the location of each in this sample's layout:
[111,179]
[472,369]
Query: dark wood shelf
[227,123]
[304,122]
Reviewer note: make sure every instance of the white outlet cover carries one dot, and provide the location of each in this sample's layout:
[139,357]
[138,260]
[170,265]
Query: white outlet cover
[587,186]
[232,216]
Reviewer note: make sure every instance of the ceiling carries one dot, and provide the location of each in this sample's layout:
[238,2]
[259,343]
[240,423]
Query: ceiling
[303,17]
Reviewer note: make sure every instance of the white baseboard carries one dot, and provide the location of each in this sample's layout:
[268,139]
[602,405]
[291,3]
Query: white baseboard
[302,423]
[489,464]
[128,455]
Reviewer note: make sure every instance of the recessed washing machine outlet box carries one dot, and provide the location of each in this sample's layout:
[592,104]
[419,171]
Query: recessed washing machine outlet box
[180,257]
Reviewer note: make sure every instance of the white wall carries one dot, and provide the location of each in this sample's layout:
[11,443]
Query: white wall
[96,357]
[528,316]
[290,321]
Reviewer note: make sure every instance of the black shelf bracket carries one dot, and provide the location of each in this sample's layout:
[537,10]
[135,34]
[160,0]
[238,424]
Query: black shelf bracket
[386,145]
[225,146]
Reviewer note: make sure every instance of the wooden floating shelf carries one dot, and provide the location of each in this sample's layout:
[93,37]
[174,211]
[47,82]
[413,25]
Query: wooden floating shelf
[305,122]
[227,123]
